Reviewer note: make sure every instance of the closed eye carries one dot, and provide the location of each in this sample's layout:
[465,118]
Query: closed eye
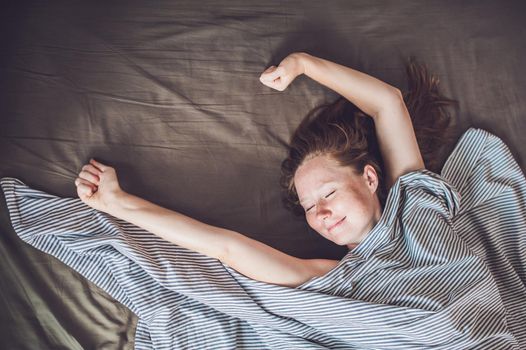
[327,196]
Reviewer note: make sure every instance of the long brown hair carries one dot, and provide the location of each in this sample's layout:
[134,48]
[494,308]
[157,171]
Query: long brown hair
[342,131]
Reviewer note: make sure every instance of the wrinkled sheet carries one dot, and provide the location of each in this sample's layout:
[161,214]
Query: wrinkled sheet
[167,92]
[437,271]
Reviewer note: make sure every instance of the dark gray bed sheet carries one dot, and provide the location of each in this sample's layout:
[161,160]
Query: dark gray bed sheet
[168,93]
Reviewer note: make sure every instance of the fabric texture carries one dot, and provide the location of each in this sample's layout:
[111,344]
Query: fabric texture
[445,267]
[167,92]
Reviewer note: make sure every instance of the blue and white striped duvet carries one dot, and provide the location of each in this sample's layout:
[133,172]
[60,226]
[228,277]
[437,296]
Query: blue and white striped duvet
[445,268]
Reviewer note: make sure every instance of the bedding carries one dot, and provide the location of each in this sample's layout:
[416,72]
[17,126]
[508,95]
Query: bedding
[444,268]
[167,92]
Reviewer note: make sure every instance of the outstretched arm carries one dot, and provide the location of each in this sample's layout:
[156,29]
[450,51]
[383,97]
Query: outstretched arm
[245,255]
[97,186]
[381,101]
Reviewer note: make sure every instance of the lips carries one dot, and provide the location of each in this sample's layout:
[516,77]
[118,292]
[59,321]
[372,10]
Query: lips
[336,224]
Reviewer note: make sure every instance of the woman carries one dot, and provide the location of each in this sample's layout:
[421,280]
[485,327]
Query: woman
[340,192]
[422,272]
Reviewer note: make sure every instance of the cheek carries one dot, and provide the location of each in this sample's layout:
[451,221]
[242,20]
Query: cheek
[314,224]
[344,202]
[311,221]
[353,204]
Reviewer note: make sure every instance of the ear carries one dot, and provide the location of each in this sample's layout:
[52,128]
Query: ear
[371,178]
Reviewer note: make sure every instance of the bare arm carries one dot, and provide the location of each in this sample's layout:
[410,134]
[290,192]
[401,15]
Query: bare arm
[247,256]
[397,140]
[171,225]
[369,94]
[264,263]
[383,102]
[97,186]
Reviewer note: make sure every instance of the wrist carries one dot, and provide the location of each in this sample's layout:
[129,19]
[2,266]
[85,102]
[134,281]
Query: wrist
[116,202]
[303,59]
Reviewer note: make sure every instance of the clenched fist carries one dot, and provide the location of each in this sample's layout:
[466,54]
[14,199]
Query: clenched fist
[281,76]
[98,186]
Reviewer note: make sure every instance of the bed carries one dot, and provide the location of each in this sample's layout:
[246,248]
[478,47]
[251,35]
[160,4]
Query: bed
[168,94]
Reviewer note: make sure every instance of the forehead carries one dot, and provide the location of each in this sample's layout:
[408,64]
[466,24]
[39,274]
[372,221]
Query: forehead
[319,171]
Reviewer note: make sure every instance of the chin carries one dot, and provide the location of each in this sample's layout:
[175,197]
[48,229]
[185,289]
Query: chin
[340,241]
[345,240]
[333,240]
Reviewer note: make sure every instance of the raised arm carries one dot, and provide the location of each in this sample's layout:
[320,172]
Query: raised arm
[381,101]
[397,140]
[97,186]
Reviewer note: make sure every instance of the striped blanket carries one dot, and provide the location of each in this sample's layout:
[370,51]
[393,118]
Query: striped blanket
[444,268]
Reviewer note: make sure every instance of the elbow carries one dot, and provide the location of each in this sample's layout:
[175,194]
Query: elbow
[228,246]
[394,97]
[393,100]
[398,93]
[223,254]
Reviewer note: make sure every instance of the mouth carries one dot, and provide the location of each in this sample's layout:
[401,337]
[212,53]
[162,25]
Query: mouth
[336,224]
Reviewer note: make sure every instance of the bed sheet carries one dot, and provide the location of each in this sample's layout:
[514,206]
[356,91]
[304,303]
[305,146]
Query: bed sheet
[168,93]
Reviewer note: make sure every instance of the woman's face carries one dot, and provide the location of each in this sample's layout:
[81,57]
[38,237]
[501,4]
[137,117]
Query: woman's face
[339,204]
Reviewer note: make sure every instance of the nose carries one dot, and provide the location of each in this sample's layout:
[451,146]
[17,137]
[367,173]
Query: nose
[323,212]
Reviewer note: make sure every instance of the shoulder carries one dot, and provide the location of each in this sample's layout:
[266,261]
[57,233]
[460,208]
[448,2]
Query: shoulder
[422,189]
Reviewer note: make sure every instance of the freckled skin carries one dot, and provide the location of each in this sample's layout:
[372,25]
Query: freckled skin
[354,198]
